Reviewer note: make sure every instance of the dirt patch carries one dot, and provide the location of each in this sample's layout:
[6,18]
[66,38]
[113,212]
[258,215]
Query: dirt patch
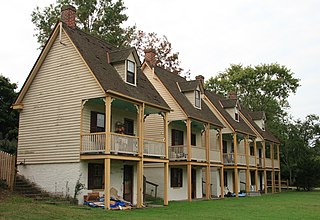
[4,193]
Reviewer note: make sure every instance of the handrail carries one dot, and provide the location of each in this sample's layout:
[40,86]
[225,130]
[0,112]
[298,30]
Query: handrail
[155,188]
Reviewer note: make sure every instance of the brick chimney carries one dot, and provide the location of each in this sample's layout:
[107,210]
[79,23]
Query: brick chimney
[151,57]
[68,15]
[200,78]
[233,95]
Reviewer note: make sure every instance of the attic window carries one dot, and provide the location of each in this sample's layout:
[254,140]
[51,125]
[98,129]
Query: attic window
[263,125]
[131,76]
[236,115]
[197,99]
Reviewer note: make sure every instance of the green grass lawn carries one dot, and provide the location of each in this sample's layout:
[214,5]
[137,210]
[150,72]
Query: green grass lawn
[286,205]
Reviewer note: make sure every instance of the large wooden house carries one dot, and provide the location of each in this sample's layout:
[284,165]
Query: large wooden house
[91,112]
[83,111]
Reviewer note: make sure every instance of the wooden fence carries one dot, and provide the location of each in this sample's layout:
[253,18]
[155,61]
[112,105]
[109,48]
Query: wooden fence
[7,168]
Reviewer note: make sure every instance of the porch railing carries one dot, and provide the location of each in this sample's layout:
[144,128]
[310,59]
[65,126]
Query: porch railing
[228,158]
[198,153]
[260,162]
[153,148]
[276,163]
[241,159]
[121,143]
[93,142]
[268,162]
[252,160]
[178,152]
[215,155]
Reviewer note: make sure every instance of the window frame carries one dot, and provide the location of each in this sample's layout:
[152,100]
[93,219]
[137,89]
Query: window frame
[134,75]
[174,136]
[93,177]
[197,99]
[236,115]
[94,122]
[176,177]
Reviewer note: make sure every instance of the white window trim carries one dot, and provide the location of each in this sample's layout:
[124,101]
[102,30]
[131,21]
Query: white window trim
[195,99]
[135,72]
[236,112]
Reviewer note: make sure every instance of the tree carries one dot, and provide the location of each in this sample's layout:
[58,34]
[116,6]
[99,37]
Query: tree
[8,116]
[301,155]
[167,59]
[264,87]
[102,18]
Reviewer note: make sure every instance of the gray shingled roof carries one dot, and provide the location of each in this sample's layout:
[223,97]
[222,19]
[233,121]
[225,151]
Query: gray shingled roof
[94,52]
[188,86]
[121,54]
[266,134]
[240,126]
[170,81]
[258,115]
[229,103]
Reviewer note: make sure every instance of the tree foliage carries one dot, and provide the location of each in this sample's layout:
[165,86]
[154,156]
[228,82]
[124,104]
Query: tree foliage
[102,18]
[264,87]
[301,152]
[167,59]
[8,116]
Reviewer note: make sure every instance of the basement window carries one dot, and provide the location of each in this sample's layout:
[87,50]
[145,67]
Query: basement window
[176,177]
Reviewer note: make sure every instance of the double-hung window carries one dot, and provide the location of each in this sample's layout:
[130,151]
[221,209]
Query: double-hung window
[197,99]
[131,76]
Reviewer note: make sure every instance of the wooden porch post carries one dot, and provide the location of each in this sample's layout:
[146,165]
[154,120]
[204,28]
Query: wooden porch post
[279,173]
[108,123]
[189,171]
[256,179]
[221,145]
[236,181]
[255,151]
[235,146]
[107,183]
[264,167]
[166,135]
[279,180]
[140,129]
[272,172]
[140,183]
[166,184]
[247,152]
[208,169]
[222,182]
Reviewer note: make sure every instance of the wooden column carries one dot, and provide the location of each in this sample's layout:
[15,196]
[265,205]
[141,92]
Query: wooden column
[140,183]
[264,167]
[166,135]
[140,129]
[279,180]
[279,173]
[247,152]
[272,172]
[236,181]
[222,181]
[256,180]
[108,123]
[255,151]
[248,182]
[221,145]
[107,183]
[235,146]
[166,183]
[208,169]
[189,139]
[81,123]
[189,173]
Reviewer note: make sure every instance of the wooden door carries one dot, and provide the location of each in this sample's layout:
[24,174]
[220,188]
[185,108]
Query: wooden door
[194,183]
[128,183]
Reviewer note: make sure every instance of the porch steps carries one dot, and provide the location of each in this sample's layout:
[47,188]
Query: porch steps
[254,193]
[24,187]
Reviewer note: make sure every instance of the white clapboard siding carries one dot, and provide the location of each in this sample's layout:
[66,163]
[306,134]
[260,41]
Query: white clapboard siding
[154,127]
[49,129]
[177,113]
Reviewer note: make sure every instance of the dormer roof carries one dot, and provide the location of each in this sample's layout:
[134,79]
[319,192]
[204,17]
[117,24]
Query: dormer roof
[258,115]
[229,103]
[189,86]
[123,54]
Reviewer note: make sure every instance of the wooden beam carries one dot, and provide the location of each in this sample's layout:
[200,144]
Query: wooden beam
[221,145]
[189,173]
[236,181]
[222,182]
[108,124]
[166,183]
[208,182]
[264,167]
[140,129]
[256,180]
[208,169]
[255,152]
[189,139]
[107,183]
[81,125]
[279,180]
[140,183]
[248,180]
[166,135]
[235,146]
[272,172]
[265,181]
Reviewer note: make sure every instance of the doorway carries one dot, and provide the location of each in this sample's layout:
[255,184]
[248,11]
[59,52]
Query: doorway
[193,183]
[128,183]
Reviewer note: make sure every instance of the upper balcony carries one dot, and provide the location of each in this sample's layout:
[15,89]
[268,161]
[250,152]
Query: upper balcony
[128,128]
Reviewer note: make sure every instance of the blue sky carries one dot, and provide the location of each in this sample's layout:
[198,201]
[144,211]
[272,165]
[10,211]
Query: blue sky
[209,35]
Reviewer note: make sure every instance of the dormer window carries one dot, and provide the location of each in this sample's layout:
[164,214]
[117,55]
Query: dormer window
[131,75]
[263,125]
[236,114]
[197,99]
